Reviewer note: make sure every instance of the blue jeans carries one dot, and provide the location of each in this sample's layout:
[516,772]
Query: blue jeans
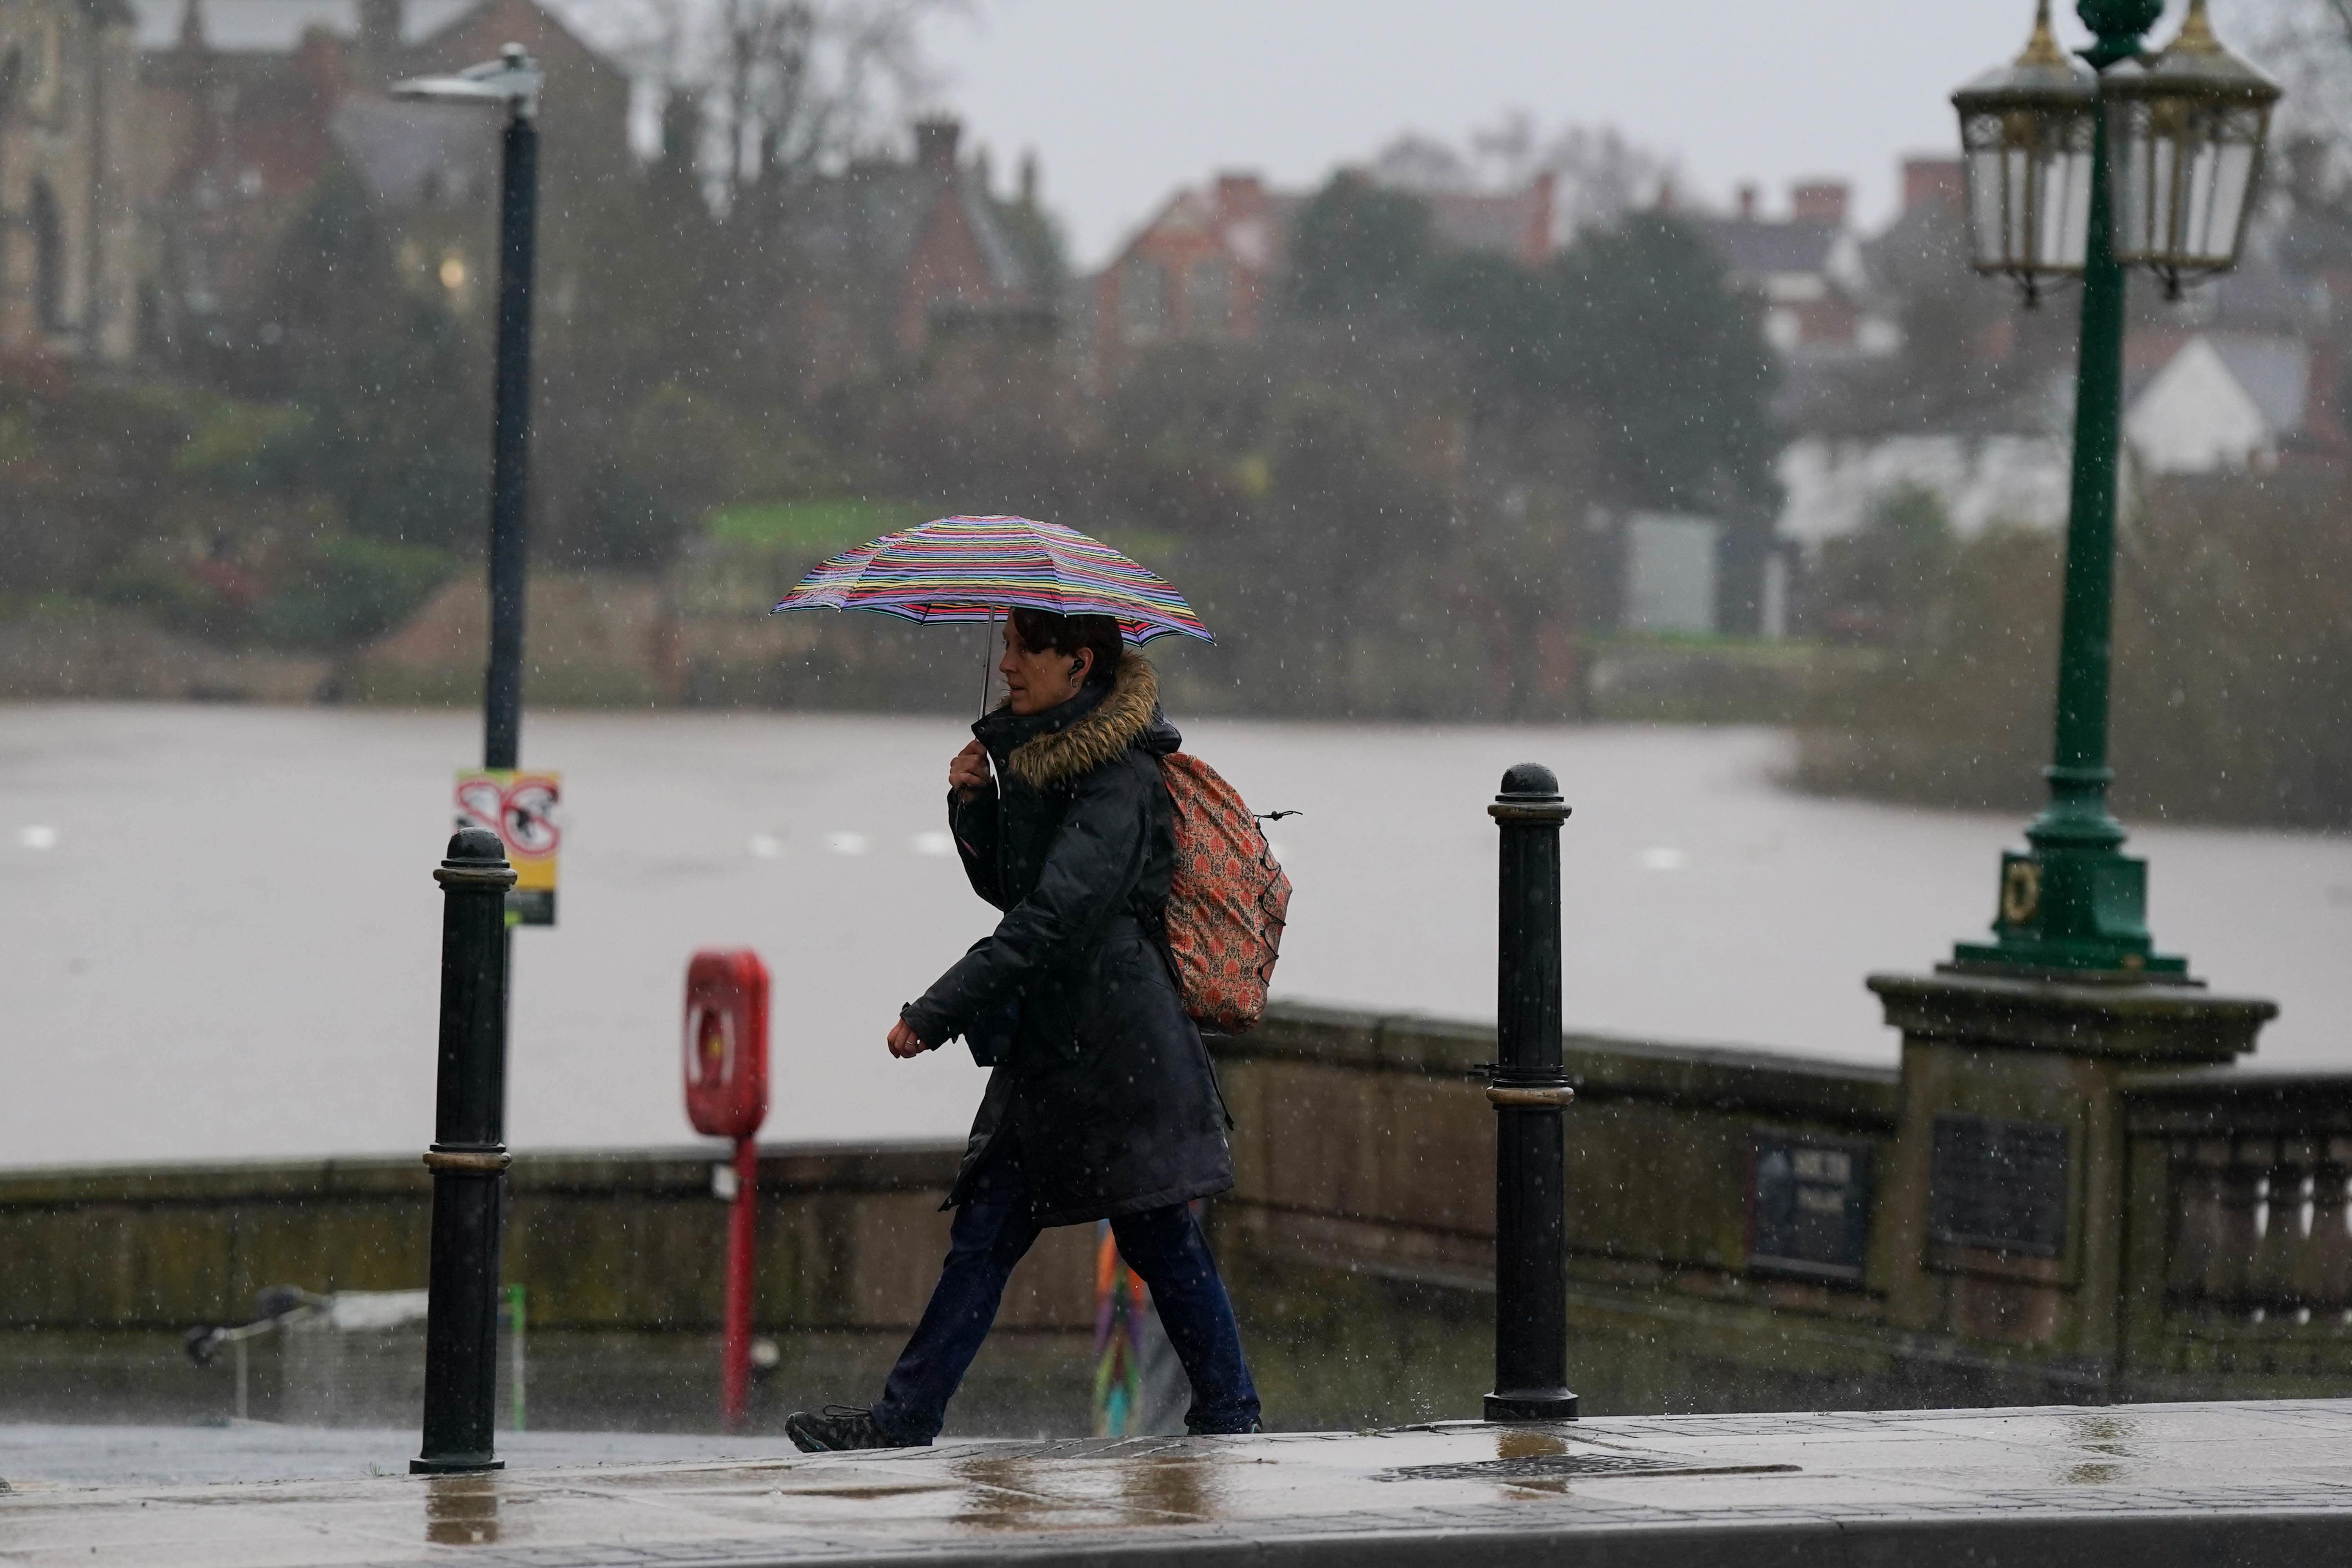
[992,1231]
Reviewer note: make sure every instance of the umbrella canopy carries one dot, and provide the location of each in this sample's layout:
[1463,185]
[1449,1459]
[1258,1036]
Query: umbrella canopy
[974,568]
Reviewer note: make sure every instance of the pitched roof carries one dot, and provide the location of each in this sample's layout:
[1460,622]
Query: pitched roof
[872,214]
[2274,371]
[1753,247]
[1481,220]
[401,149]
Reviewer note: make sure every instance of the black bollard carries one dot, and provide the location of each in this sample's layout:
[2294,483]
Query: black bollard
[468,1158]
[1529,1091]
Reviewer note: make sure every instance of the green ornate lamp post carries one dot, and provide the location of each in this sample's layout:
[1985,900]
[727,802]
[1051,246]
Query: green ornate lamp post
[2076,172]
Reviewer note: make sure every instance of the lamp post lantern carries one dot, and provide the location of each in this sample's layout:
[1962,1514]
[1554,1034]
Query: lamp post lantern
[511,81]
[2026,133]
[2187,129]
[2166,175]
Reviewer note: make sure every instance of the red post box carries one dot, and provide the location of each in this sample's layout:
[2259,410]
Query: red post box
[726,1043]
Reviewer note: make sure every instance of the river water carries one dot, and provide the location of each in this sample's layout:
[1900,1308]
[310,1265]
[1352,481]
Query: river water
[218,927]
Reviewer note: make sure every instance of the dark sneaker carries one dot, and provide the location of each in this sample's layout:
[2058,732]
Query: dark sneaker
[838,1428]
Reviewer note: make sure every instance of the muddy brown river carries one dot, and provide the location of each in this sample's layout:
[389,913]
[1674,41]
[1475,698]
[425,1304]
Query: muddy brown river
[218,926]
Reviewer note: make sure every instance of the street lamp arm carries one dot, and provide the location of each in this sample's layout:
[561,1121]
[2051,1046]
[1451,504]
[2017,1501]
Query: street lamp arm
[514,79]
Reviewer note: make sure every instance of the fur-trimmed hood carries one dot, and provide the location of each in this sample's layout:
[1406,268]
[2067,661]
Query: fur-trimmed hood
[1129,713]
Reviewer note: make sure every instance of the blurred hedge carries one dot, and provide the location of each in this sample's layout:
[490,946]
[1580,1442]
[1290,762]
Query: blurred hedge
[2232,674]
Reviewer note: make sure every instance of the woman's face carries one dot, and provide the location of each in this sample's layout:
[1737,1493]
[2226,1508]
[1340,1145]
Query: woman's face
[1040,681]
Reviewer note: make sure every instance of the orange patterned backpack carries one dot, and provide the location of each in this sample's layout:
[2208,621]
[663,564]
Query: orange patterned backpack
[1226,902]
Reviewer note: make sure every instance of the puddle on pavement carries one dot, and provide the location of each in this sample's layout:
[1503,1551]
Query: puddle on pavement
[1024,1492]
[1511,1445]
[2105,1440]
[860,1493]
[461,1511]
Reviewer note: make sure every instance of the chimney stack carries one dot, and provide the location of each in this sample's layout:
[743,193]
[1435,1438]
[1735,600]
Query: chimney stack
[1931,180]
[1748,203]
[1821,201]
[935,143]
[381,25]
[1240,193]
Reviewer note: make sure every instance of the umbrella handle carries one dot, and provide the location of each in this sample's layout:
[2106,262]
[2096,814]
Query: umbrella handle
[987,663]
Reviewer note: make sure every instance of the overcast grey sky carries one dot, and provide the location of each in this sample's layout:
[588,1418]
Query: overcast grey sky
[1126,100]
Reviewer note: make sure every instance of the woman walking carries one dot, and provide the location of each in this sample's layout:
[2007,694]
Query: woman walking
[1101,1104]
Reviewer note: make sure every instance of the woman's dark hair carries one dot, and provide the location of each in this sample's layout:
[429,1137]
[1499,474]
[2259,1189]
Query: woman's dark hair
[1043,631]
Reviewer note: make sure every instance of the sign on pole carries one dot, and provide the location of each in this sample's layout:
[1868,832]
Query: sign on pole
[521,808]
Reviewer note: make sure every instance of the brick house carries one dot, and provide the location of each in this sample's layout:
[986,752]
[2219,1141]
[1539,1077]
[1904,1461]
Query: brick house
[1805,270]
[890,250]
[1209,265]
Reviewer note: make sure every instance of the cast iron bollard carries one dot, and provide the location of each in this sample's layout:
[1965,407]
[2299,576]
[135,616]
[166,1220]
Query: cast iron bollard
[1529,1091]
[468,1158]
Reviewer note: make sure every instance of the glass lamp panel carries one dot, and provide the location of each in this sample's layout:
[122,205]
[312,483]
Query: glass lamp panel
[2063,228]
[1990,167]
[2029,183]
[2136,192]
[2219,179]
[1987,171]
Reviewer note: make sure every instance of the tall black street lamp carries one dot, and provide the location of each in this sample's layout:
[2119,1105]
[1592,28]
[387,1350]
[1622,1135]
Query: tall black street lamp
[468,1158]
[2079,171]
[512,82]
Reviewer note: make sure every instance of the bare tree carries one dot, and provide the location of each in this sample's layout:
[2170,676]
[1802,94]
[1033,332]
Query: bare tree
[1597,174]
[2307,45]
[789,88]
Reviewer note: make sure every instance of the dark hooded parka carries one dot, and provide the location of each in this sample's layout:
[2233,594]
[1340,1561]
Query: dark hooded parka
[1100,1079]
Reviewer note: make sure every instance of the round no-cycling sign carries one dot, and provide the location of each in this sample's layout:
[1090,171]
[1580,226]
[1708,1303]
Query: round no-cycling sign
[521,809]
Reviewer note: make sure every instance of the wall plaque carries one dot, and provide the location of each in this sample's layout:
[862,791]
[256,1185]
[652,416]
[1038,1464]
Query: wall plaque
[1809,1206]
[1999,1184]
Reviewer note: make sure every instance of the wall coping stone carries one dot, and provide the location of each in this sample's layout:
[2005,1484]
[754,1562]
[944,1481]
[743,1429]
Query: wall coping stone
[784,1169]
[2145,1021]
[1601,1067]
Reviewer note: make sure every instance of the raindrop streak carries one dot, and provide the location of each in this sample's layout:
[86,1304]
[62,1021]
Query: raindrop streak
[934,843]
[846,843]
[1663,857]
[766,846]
[39,836]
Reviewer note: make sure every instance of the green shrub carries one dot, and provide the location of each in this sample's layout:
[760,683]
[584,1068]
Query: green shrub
[2231,686]
[349,590]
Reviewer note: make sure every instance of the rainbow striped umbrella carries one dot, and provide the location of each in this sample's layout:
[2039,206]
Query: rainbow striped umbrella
[974,568]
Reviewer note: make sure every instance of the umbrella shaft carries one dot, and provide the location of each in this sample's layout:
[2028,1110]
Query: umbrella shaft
[987,660]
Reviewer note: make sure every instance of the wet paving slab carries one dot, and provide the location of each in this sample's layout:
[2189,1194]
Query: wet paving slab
[2148,1485]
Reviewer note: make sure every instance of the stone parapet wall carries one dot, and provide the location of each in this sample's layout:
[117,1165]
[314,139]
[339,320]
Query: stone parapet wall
[629,1241]
[1371,1136]
[2216,1206]
[1360,1233]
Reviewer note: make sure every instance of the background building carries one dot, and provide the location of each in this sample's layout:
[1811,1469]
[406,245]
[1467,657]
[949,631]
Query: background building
[249,108]
[1209,266]
[67,214]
